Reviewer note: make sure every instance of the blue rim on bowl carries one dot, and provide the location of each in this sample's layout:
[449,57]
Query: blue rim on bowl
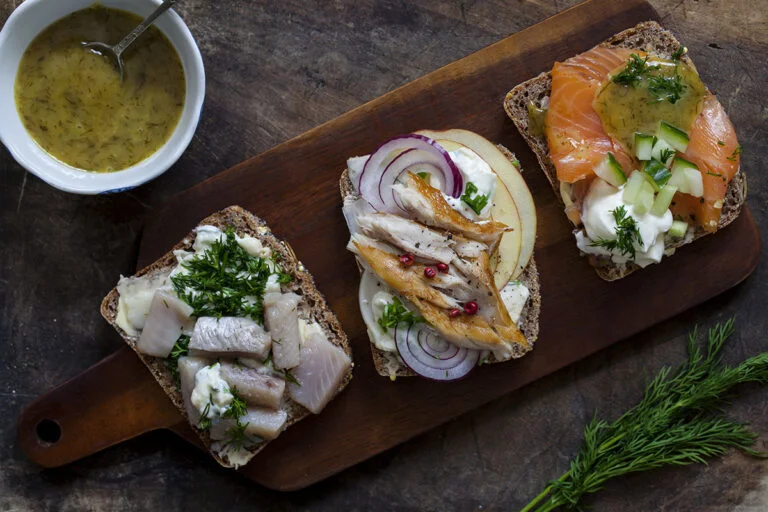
[24,24]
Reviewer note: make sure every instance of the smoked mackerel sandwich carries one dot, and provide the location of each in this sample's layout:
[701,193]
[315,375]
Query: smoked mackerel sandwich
[641,153]
[232,327]
[443,227]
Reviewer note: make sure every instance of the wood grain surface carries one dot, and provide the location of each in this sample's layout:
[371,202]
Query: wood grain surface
[294,187]
[310,63]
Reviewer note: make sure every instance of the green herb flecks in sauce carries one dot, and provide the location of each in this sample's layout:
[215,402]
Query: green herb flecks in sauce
[650,91]
[72,102]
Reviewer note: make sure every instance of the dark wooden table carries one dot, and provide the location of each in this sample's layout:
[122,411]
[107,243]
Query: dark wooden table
[276,69]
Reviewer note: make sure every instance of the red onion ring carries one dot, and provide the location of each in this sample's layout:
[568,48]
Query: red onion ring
[430,355]
[376,179]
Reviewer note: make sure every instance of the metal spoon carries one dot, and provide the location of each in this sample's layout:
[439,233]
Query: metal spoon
[116,51]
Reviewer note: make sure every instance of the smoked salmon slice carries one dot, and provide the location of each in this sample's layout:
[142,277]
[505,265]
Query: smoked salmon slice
[714,148]
[578,142]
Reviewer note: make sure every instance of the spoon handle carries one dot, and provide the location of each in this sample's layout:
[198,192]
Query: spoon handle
[141,27]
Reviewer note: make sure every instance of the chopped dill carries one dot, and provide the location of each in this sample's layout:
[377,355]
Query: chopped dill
[238,406]
[180,349]
[225,280]
[631,74]
[735,154]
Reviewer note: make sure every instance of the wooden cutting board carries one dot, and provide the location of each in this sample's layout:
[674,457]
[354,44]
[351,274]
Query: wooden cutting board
[294,187]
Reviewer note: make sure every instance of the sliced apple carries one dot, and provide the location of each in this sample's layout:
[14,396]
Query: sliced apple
[510,176]
[503,209]
[504,259]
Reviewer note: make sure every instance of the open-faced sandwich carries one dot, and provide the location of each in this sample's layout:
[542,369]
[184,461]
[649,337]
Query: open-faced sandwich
[443,226]
[231,325]
[642,154]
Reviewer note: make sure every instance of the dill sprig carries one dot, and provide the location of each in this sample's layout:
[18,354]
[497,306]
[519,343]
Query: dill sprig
[669,88]
[180,349]
[225,280]
[679,421]
[627,233]
[661,87]
[237,407]
[631,74]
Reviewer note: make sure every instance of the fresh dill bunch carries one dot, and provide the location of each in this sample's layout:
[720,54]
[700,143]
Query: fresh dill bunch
[395,312]
[678,422]
[225,280]
[180,349]
[627,233]
[634,69]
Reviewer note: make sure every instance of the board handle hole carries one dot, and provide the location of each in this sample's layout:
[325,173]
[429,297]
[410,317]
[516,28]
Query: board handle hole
[48,431]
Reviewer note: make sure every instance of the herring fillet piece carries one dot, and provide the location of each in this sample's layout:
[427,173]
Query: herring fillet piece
[264,423]
[281,317]
[323,367]
[254,387]
[188,368]
[169,317]
[229,337]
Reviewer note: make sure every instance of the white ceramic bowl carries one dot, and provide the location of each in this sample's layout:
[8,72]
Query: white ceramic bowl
[24,24]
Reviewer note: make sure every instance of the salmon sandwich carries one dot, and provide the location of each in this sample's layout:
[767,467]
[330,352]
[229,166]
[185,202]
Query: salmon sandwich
[443,227]
[231,325]
[641,153]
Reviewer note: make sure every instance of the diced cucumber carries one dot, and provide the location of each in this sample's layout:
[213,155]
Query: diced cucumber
[644,200]
[610,170]
[663,200]
[675,137]
[634,184]
[644,145]
[662,152]
[657,174]
[679,229]
[681,163]
[687,177]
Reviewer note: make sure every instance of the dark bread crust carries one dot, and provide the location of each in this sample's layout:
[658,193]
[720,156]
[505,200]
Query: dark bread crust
[649,37]
[314,306]
[529,319]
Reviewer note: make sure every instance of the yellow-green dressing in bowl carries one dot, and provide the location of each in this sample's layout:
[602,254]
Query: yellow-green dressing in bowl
[73,104]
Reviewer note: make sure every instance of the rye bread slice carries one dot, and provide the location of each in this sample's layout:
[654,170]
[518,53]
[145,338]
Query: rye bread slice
[389,365]
[649,37]
[313,306]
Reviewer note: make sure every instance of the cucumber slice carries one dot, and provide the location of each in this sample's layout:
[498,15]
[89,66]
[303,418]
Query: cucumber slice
[644,145]
[687,177]
[657,174]
[663,200]
[634,184]
[644,200]
[675,137]
[662,152]
[679,229]
[610,170]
